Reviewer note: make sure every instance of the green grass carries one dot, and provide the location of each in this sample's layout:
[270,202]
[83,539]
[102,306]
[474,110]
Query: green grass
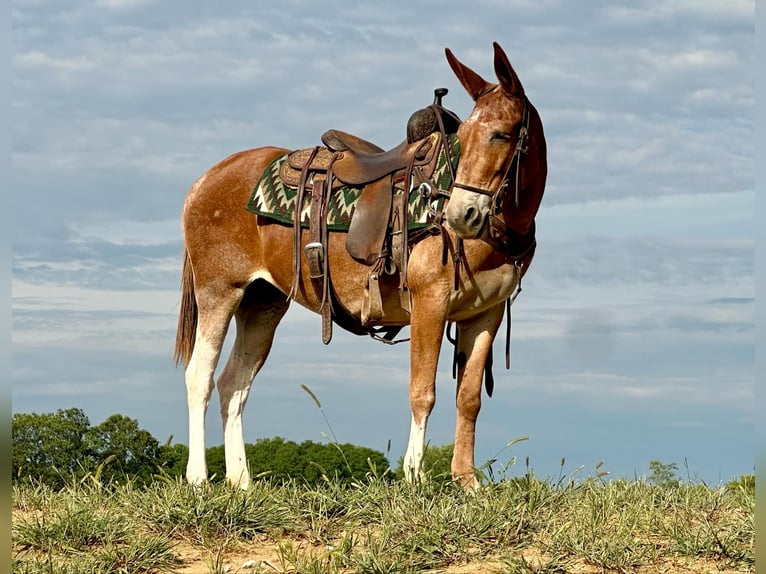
[525,525]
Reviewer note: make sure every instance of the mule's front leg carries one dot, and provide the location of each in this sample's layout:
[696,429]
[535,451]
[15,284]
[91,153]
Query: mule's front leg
[475,337]
[426,331]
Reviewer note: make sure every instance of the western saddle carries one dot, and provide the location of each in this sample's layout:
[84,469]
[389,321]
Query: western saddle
[378,235]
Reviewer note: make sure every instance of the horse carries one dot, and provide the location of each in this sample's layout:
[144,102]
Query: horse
[238,265]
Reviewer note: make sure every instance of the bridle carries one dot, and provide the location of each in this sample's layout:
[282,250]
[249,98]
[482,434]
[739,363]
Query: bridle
[496,232]
[516,247]
[515,164]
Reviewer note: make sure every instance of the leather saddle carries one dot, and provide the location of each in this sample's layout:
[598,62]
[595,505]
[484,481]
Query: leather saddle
[350,161]
[356,162]
[378,232]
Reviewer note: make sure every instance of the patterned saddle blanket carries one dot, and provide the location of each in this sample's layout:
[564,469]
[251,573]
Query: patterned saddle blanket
[274,199]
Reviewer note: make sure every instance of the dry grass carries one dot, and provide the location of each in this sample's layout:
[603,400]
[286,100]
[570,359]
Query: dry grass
[521,525]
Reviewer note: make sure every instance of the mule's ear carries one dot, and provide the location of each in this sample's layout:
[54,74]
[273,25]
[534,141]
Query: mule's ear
[506,74]
[474,84]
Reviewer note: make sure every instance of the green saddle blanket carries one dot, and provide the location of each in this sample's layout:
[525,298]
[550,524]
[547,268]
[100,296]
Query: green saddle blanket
[273,199]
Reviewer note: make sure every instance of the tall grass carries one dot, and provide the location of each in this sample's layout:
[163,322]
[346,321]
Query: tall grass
[524,524]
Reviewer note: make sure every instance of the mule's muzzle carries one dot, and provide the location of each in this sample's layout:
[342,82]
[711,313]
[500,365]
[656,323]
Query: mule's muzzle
[466,221]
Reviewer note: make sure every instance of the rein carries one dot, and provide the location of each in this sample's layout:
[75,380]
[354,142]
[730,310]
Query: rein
[518,248]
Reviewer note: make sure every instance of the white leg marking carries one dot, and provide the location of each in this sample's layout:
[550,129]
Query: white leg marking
[199,386]
[255,332]
[413,459]
[237,473]
[233,389]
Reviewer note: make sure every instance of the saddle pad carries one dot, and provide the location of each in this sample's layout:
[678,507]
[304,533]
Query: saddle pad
[273,199]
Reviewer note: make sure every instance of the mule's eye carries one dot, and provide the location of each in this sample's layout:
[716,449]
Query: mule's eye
[501,137]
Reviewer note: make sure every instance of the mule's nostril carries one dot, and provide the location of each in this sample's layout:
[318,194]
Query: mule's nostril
[465,220]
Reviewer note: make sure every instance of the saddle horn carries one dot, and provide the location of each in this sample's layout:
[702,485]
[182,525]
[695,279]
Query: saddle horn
[424,122]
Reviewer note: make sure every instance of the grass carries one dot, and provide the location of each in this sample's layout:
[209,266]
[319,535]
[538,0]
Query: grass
[518,525]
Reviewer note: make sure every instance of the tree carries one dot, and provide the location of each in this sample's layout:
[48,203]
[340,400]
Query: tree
[361,460]
[173,459]
[49,447]
[663,473]
[125,450]
[745,483]
[216,462]
[280,459]
[55,448]
[437,463]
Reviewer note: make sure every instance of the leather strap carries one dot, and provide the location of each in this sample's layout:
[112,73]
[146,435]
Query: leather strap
[520,149]
[489,378]
[320,275]
[297,225]
[316,254]
[515,246]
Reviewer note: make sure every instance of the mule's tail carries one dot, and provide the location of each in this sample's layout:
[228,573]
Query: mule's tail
[187,316]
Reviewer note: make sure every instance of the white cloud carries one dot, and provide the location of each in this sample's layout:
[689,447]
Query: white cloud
[65,66]
[30,296]
[681,215]
[743,10]
[715,11]
[131,232]
[730,390]
[122,4]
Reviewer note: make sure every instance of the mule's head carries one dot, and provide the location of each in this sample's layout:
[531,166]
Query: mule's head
[487,181]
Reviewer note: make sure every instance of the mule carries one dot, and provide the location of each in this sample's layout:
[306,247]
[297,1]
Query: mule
[238,265]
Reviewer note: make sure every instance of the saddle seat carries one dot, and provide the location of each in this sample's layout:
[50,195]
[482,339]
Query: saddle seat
[360,164]
[337,140]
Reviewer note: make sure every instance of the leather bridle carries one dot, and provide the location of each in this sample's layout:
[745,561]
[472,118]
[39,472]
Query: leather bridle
[517,248]
[515,164]
[496,232]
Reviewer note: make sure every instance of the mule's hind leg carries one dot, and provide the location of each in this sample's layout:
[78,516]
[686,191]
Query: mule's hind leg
[475,337]
[257,317]
[215,307]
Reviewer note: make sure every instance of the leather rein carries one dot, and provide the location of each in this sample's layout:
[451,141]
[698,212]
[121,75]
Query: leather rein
[516,247]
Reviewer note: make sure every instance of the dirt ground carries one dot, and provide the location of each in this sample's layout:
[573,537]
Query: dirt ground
[265,555]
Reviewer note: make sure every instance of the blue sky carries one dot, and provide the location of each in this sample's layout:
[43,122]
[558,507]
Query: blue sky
[634,338]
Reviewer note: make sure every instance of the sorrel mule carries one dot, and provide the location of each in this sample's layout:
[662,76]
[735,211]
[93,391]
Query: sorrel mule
[239,265]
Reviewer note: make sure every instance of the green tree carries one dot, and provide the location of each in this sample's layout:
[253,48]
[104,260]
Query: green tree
[663,473]
[125,450]
[745,483]
[173,459]
[437,463]
[49,447]
[330,460]
[216,463]
[280,459]
[362,460]
[287,461]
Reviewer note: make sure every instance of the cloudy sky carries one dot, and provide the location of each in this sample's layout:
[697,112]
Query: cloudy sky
[634,337]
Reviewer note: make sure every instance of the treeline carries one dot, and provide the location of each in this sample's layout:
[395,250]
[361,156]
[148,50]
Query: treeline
[57,448]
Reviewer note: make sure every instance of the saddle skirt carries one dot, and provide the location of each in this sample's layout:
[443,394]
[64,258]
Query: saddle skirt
[275,193]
